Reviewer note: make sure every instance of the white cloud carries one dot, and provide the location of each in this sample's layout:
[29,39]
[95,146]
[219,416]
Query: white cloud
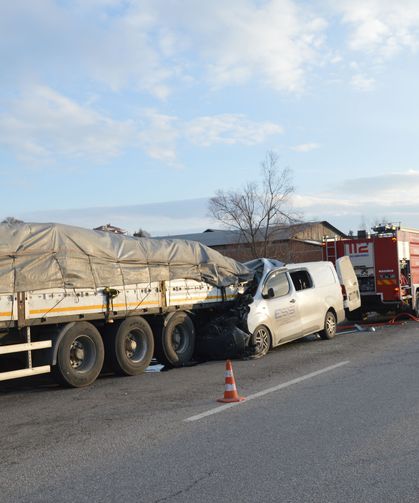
[229,129]
[162,133]
[155,45]
[391,188]
[227,43]
[152,45]
[305,147]
[345,205]
[174,217]
[126,56]
[362,83]
[393,195]
[42,125]
[159,136]
[273,43]
[103,41]
[382,27]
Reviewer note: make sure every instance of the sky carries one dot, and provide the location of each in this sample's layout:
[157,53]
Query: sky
[135,112]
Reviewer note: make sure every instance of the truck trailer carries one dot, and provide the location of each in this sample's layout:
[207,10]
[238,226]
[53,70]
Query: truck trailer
[386,263]
[73,300]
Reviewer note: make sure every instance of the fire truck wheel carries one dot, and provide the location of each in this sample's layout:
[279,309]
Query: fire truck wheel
[416,309]
[175,340]
[130,347]
[80,355]
[329,330]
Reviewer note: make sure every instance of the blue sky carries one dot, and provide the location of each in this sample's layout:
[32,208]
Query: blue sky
[134,112]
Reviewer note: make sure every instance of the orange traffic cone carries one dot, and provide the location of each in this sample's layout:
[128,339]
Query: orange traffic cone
[230,393]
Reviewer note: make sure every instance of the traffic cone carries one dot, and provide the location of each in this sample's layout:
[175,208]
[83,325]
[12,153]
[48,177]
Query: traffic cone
[230,392]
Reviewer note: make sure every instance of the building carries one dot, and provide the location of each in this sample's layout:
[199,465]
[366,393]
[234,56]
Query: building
[111,228]
[289,243]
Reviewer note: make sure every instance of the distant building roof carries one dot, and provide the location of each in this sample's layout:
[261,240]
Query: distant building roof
[219,237]
[110,228]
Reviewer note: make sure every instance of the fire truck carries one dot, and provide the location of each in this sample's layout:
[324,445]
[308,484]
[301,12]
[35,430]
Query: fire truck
[386,263]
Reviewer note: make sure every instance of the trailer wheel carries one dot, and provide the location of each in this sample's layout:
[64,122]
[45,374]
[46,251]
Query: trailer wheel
[175,340]
[130,347]
[80,356]
[261,341]
[329,330]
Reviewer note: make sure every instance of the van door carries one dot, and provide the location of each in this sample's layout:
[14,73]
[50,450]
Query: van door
[309,300]
[348,279]
[282,312]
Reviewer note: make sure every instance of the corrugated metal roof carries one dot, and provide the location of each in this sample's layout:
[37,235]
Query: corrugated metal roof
[213,237]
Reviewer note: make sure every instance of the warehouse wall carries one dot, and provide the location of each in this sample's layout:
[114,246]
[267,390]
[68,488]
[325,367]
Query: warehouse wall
[287,251]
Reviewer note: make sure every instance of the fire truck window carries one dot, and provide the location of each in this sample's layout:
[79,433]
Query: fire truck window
[301,280]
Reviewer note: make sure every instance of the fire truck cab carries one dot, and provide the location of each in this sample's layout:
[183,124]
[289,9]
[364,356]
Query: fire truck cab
[386,263]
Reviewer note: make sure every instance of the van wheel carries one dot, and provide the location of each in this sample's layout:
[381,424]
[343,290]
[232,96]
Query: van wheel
[80,356]
[261,341]
[131,348]
[175,340]
[329,330]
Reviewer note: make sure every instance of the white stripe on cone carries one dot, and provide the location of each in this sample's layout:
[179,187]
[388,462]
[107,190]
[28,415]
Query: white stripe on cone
[230,387]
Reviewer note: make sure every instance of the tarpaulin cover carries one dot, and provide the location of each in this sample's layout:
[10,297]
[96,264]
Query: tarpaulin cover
[40,256]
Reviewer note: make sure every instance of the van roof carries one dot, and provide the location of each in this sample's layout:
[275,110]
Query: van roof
[308,265]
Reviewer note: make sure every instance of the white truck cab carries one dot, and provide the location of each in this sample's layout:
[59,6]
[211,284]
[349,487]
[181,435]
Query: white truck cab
[295,300]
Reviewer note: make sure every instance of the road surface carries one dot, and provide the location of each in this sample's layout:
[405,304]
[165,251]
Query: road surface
[327,421]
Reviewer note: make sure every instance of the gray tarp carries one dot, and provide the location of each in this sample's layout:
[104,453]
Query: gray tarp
[39,256]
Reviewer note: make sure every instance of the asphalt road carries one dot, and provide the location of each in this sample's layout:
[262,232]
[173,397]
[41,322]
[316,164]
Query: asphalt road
[339,422]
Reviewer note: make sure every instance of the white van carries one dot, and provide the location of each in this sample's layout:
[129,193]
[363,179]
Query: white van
[296,300]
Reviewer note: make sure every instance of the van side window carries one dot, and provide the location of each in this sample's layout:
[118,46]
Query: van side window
[278,281]
[301,280]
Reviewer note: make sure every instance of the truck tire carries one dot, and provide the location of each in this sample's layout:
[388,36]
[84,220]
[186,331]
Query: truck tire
[329,330]
[175,340]
[261,341]
[80,356]
[130,346]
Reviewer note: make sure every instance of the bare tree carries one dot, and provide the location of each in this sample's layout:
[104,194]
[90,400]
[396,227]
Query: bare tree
[141,233]
[12,221]
[258,208]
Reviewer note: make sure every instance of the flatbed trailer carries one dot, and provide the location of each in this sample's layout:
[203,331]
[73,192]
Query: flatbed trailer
[75,330]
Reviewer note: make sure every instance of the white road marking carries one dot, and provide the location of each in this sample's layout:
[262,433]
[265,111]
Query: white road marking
[221,408]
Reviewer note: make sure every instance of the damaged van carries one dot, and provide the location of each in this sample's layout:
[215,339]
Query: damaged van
[295,300]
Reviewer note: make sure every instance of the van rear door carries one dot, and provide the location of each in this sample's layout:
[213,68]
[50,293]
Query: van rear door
[348,279]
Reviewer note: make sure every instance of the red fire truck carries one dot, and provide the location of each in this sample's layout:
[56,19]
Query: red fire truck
[386,263]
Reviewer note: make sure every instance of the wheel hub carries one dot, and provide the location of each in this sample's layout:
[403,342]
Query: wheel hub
[261,341]
[135,347]
[178,339]
[77,354]
[131,346]
[330,324]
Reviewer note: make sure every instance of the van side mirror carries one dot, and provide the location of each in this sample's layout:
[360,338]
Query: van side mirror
[269,294]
